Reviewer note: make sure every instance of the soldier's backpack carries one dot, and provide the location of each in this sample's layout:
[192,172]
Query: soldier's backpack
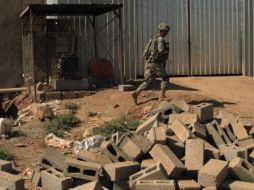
[147,50]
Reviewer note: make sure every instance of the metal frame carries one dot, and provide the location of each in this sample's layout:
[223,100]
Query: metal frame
[91,17]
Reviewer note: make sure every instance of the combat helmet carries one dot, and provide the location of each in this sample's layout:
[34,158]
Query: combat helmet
[164,27]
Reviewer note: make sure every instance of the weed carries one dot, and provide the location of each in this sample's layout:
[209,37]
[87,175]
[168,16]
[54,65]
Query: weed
[92,114]
[118,125]
[60,123]
[71,106]
[6,153]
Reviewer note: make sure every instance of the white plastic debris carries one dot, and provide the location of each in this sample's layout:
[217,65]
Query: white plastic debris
[88,143]
[5,125]
[54,141]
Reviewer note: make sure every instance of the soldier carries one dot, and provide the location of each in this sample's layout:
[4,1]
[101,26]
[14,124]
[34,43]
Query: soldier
[155,55]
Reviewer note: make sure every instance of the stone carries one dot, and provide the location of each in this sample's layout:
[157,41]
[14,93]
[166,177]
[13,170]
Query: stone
[237,185]
[154,172]
[188,184]
[11,182]
[185,118]
[95,185]
[113,152]
[146,163]
[6,166]
[162,154]
[213,173]
[130,149]
[82,170]
[204,112]
[180,130]
[231,151]
[242,170]
[155,185]
[147,125]
[239,131]
[53,158]
[121,171]
[5,125]
[194,155]
[52,179]
[126,87]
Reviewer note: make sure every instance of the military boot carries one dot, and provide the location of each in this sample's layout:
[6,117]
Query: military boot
[135,97]
[162,95]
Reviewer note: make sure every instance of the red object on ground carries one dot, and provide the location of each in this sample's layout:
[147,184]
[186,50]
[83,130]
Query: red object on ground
[101,68]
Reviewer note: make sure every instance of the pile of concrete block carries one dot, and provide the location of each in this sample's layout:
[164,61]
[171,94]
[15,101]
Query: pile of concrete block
[178,146]
[8,180]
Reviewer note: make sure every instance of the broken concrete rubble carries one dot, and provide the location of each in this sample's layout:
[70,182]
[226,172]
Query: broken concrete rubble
[164,154]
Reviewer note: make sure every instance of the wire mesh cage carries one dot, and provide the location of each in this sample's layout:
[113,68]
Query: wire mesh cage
[70,48]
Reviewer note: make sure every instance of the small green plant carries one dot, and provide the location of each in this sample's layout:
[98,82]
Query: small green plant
[60,123]
[6,153]
[92,114]
[118,125]
[71,106]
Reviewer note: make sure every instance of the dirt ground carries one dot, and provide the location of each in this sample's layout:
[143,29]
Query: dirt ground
[233,94]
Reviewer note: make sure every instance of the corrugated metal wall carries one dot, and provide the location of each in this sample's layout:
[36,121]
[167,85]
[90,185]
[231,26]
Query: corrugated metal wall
[215,37]
[248,38]
[215,34]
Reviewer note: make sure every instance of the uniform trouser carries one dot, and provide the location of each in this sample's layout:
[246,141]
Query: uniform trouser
[153,69]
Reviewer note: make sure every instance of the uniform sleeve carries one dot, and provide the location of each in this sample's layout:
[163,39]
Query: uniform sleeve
[161,45]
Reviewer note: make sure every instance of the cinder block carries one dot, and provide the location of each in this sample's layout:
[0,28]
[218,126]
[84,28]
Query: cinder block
[226,115]
[239,131]
[121,171]
[95,185]
[181,104]
[211,152]
[146,163]
[6,166]
[157,135]
[87,156]
[185,118]
[70,85]
[82,170]
[217,134]
[143,143]
[213,173]
[237,185]
[245,142]
[251,157]
[102,159]
[154,172]
[52,179]
[188,184]
[210,188]
[198,130]
[126,87]
[176,145]
[53,95]
[164,110]
[116,137]
[246,121]
[242,170]
[147,125]
[113,152]
[231,151]
[155,185]
[36,177]
[121,185]
[229,131]
[11,182]
[194,155]
[130,149]
[180,130]
[53,158]
[162,154]
[204,111]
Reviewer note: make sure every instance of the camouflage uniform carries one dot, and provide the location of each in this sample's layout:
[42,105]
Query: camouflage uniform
[155,64]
